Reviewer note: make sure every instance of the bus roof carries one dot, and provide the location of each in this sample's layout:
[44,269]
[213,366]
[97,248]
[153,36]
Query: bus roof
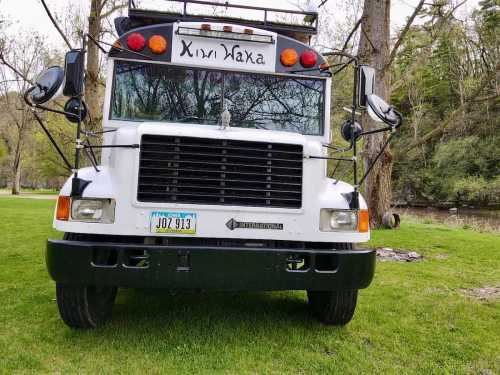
[297,24]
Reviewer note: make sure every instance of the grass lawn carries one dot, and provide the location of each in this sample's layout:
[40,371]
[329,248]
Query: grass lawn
[26,191]
[413,318]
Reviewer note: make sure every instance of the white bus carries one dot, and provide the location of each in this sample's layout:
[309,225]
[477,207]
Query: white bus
[213,172]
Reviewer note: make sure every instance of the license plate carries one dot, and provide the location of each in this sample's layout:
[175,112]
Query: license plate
[173,222]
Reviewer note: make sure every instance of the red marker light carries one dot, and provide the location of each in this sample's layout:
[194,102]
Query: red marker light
[136,42]
[227,29]
[308,58]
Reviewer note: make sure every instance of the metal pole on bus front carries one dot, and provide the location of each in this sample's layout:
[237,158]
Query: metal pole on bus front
[76,188]
[355,195]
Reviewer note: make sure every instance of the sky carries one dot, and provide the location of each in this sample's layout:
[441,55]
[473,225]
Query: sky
[30,14]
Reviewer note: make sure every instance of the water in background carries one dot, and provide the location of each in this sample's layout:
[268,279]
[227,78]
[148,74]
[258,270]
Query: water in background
[465,217]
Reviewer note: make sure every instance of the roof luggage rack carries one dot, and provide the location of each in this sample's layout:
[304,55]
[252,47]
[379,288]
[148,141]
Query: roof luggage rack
[295,23]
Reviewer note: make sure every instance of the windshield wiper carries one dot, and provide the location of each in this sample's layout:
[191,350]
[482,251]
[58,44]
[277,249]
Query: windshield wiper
[256,123]
[200,120]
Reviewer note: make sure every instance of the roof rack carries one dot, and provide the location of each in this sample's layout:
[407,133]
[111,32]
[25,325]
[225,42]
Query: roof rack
[295,23]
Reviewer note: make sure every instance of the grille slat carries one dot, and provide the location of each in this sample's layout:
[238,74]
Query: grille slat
[215,187]
[212,155]
[214,180]
[198,146]
[222,163]
[221,172]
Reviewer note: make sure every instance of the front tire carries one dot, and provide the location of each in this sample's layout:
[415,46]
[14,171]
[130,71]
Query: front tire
[84,306]
[333,307]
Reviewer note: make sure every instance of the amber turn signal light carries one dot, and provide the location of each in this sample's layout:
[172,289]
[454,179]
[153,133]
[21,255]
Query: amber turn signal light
[63,208]
[157,44]
[363,221]
[289,57]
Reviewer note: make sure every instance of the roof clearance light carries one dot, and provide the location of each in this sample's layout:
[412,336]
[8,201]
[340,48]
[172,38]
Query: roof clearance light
[205,33]
[157,44]
[308,59]
[289,57]
[136,42]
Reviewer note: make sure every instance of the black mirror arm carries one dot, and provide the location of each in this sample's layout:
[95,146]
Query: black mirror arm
[39,106]
[367,172]
[44,128]
[52,140]
[338,149]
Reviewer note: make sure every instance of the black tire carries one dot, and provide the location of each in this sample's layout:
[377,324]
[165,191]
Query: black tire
[334,307]
[84,306]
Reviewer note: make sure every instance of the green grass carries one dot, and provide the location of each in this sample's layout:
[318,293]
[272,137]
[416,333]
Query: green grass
[27,191]
[413,318]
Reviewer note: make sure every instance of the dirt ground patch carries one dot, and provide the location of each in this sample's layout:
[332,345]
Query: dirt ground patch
[387,254]
[486,293]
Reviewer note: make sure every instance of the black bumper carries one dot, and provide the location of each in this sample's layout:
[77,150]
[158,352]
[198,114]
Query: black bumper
[208,268]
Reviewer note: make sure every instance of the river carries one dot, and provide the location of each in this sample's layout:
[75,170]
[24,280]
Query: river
[476,218]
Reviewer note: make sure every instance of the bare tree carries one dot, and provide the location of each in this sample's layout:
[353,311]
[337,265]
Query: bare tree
[374,50]
[100,11]
[20,60]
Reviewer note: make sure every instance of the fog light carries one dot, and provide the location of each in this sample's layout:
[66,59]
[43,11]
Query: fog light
[338,220]
[93,210]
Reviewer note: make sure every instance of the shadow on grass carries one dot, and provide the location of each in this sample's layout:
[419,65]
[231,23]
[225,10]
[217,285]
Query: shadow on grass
[142,318]
[146,305]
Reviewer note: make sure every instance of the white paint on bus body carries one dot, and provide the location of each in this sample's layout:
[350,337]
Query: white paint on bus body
[209,52]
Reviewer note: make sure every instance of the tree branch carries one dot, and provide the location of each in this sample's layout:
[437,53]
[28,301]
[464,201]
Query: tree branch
[56,25]
[358,22]
[458,111]
[111,10]
[439,27]
[401,37]
[11,67]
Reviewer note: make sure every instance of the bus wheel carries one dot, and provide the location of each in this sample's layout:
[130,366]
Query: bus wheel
[85,306]
[333,307]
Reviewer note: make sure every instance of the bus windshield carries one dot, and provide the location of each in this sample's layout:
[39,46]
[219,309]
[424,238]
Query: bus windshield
[154,92]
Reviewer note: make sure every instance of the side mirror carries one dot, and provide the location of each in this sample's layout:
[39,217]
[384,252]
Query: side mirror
[380,111]
[76,108]
[346,130]
[48,85]
[74,68]
[366,84]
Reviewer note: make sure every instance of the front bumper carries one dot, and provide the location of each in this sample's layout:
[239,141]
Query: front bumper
[208,268]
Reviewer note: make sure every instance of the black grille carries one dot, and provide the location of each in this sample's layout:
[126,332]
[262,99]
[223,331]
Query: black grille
[221,172]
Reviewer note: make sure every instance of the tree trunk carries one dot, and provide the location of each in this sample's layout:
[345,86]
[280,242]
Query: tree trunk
[376,31]
[92,78]
[16,169]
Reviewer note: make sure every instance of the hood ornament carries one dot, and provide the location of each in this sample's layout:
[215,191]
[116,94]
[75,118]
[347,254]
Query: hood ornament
[225,119]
